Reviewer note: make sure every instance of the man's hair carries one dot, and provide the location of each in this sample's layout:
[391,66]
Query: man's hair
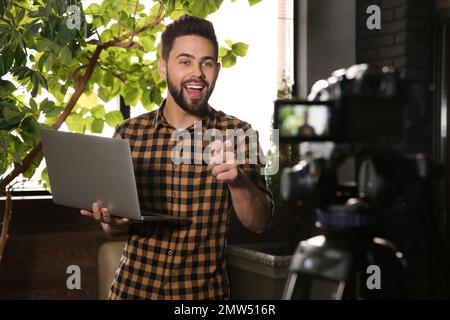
[184,26]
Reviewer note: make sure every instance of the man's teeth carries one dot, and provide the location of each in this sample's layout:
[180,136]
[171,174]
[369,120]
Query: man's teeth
[195,87]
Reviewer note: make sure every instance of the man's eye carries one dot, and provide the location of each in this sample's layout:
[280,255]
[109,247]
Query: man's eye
[208,64]
[186,62]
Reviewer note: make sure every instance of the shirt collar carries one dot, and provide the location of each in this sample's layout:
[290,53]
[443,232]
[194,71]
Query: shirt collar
[160,120]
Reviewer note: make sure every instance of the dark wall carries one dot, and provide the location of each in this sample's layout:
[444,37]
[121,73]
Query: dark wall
[325,40]
[404,40]
[44,240]
[331,37]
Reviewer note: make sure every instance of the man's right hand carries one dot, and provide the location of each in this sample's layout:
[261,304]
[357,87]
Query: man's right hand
[103,215]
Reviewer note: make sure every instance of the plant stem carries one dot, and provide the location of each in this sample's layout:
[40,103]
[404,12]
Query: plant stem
[5,224]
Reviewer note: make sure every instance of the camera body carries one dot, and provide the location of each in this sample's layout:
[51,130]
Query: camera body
[357,119]
[361,111]
[358,105]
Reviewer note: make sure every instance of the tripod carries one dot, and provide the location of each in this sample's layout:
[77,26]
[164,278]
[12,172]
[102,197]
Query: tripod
[347,261]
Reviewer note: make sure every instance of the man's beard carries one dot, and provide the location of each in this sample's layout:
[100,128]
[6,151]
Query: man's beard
[195,107]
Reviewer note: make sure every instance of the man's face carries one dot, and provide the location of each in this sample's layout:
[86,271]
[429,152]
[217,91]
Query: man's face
[191,71]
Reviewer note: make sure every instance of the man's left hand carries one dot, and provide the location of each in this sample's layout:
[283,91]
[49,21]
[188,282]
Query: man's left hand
[223,163]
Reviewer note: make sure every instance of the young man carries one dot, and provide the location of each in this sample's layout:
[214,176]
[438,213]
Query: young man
[185,260]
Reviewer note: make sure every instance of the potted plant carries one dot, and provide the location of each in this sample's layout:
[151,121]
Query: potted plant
[73,55]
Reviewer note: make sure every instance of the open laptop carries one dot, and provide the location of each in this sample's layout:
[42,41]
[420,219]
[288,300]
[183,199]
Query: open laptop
[84,169]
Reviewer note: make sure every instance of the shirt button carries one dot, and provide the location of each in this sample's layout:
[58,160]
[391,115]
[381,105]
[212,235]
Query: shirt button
[169,252]
[173,194]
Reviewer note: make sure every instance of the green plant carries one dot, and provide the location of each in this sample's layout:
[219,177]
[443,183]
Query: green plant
[104,53]
[73,55]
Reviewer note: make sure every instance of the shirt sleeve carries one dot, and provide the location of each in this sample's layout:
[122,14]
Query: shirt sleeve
[117,132]
[251,160]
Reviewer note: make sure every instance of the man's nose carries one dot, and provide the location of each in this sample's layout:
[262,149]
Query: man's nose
[197,70]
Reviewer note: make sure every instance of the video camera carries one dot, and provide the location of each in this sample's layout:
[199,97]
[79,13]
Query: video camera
[362,111]
[358,105]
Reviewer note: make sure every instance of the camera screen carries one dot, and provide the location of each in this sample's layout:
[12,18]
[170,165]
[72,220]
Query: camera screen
[303,120]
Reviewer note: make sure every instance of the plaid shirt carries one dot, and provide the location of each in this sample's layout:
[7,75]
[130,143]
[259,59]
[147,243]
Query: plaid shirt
[175,260]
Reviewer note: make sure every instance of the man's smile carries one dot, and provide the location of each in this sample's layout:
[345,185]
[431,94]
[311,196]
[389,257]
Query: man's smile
[195,90]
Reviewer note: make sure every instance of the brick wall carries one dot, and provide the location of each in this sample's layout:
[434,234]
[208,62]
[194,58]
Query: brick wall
[404,40]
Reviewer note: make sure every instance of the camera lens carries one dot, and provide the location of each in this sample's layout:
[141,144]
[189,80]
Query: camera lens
[300,181]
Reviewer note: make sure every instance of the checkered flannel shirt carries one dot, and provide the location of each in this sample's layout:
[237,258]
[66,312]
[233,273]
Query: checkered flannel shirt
[174,260]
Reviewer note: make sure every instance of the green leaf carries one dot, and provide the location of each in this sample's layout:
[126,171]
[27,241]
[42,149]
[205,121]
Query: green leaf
[222,51]
[253,2]
[131,95]
[229,60]
[45,180]
[56,111]
[218,3]
[35,81]
[29,130]
[97,126]
[155,95]
[49,109]
[50,121]
[75,123]
[170,6]
[33,29]
[88,122]
[19,16]
[46,106]
[50,61]
[98,111]
[64,35]
[8,58]
[240,49]
[42,61]
[83,111]
[148,43]
[116,87]
[3,69]
[202,8]
[106,35]
[43,44]
[16,148]
[108,79]
[33,105]
[104,93]
[55,48]
[6,87]
[33,166]
[113,118]
[145,99]
[41,79]
[20,57]
[66,55]
[10,116]
[88,100]
[94,9]
[229,43]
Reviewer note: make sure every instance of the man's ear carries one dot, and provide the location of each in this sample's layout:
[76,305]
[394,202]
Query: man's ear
[162,68]
[218,67]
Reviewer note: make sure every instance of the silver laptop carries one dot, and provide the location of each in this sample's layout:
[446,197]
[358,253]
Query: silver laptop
[84,169]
